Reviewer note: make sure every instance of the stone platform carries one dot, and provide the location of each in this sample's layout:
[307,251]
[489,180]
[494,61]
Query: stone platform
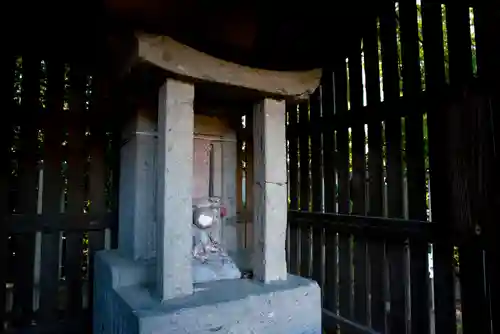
[126,304]
[216,267]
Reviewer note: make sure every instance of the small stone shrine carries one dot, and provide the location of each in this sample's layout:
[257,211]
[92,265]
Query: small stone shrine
[176,269]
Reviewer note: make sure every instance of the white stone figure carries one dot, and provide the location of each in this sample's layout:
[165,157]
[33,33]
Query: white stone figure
[210,261]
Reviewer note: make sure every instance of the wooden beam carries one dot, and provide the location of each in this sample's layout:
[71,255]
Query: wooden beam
[187,62]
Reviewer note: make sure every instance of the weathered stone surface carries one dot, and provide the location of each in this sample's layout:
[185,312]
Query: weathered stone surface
[216,267]
[270,192]
[274,141]
[236,307]
[137,179]
[174,189]
[166,53]
[125,305]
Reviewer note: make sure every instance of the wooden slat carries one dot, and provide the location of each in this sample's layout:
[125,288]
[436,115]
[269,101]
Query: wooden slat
[415,162]
[379,111]
[331,284]
[305,188]
[112,161]
[375,247]
[30,223]
[474,304]
[97,200]
[41,119]
[358,188]
[116,144]
[487,31]
[374,227]
[459,43]
[342,164]
[27,194]
[293,256]
[293,184]
[316,186]
[330,287]
[470,133]
[444,299]
[332,320]
[328,110]
[433,46]
[316,161]
[493,270]
[7,78]
[391,93]
[494,291]
[97,177]
[395,249]
[52,190]
[76,191]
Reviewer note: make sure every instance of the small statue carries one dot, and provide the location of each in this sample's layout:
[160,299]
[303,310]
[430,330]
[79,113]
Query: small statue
[211,262]
[206,215]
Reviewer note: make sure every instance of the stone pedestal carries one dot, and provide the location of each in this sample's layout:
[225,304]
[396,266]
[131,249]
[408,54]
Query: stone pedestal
[124,304]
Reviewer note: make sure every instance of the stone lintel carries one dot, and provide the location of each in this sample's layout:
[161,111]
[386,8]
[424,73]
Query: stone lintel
[174,185]
[270,191]
[182,60]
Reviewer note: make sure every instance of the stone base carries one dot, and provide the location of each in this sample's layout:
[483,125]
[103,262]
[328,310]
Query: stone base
[124,304]
[216,267]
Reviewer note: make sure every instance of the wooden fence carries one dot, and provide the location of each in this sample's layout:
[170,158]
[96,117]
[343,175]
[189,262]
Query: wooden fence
[411,100]
[415,97]
[57,193]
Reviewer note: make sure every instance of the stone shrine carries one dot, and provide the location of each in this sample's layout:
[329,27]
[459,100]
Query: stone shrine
[155,281]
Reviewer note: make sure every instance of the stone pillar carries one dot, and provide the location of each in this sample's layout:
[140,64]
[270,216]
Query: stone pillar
[174,182]
[270,191]
[136,235]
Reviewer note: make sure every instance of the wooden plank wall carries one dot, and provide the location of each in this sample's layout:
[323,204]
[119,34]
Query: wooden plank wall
[7,100]
[369,142]
[58,188]
[488,69]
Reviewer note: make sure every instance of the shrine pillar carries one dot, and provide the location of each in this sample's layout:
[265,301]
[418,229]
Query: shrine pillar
[174,189]
[270,191]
